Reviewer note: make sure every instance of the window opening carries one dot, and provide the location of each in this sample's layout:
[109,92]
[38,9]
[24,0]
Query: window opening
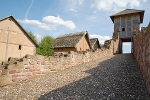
[123,29]
[19,47]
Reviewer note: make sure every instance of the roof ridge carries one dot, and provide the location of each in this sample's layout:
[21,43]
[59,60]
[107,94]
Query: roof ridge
[126,10]
[20,26]
[71,34]
[131,9]
[70,40]
[6,17]
[93,38]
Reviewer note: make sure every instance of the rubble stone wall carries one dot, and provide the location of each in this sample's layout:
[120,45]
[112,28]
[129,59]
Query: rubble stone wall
[141,47]
[28,67]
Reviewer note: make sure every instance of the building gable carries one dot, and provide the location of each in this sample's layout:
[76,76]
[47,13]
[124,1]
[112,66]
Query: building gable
[83,44]
[10,24]
[94,43]
[14,40]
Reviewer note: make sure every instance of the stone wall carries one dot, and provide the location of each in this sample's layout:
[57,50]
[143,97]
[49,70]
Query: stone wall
[28,67]
[141,47]
[116,41]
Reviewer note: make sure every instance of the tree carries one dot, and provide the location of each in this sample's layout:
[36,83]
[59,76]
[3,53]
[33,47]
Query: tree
[33,36]
[45,46]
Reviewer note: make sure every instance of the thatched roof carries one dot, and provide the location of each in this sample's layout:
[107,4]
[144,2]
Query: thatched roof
[19,25]
[129,11]
[93,41]
[70,40]
[107,44]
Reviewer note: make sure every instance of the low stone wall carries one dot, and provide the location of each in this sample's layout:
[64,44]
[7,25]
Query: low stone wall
[28,67]
[142,52]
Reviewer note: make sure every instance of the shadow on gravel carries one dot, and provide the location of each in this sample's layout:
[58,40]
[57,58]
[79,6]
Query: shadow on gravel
[117,78]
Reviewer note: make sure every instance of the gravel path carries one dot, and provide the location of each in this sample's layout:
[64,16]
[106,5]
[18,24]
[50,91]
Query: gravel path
[115,79]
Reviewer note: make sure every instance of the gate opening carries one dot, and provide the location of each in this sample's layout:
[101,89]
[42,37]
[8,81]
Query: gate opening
[126,48]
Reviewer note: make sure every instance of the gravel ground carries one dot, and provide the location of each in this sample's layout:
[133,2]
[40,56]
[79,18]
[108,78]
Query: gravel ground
[113,78]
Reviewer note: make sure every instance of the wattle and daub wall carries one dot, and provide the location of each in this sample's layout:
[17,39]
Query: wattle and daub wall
[28,67]
[141,45]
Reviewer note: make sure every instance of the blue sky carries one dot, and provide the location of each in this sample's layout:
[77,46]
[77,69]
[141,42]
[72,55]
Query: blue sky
[59,17]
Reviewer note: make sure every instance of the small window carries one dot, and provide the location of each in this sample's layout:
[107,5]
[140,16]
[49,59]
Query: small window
[19,47]
[123,29]
[80,49]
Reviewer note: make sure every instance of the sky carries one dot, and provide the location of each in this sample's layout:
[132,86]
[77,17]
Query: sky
[59,17]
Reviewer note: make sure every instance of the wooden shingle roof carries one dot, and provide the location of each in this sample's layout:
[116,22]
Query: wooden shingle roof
[129,11]
[70,40]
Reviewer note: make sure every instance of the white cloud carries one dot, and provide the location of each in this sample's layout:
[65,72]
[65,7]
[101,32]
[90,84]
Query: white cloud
[115,4]
[37,23]
[81,2]
[94,12]
[74,5]
[58,21]
[73,10]
[100,38]
[49,23]
[91,17]
[39,37]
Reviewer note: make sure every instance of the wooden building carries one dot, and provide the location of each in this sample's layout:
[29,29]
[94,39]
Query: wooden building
[126,22]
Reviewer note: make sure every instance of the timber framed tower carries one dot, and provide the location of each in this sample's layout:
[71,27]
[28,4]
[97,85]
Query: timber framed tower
[126,22]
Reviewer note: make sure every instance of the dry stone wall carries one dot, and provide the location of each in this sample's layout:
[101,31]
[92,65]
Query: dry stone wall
[28,67]
[142,52]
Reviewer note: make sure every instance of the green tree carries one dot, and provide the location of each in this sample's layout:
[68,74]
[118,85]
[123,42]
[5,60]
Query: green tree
[33,36]
[45,46]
